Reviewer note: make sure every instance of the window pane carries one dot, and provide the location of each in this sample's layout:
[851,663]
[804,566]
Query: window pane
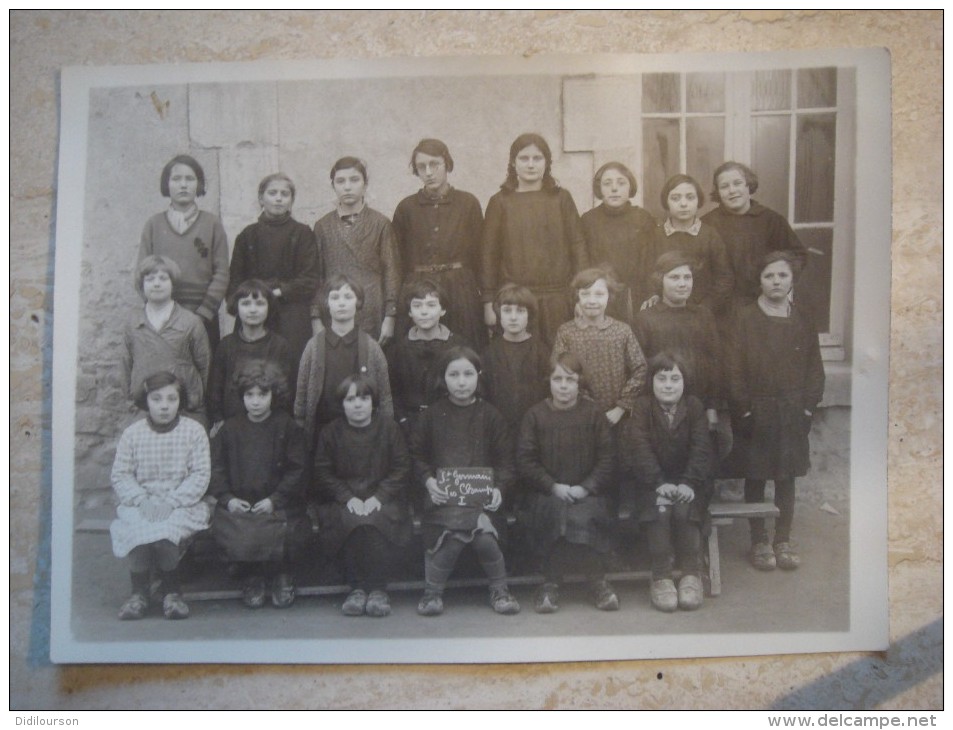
[813,288]
[816,87]
[705,141]
[771,90]
[661,93]
[706,92]
[814,171]
[770,159]
[660,159]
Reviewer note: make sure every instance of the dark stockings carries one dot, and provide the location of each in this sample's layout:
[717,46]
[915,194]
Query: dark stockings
[783,500]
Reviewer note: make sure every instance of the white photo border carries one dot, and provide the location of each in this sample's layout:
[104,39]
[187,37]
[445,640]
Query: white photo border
[868,627]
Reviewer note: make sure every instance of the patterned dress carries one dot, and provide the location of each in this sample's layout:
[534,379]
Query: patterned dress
[172,464]
[364,247]
[180,346]
[612,358]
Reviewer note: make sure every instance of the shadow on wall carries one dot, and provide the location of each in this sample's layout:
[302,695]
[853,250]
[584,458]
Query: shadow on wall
[868,683]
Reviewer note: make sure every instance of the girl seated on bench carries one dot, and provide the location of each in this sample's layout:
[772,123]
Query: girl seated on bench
[565,460]
[258,461]
[671,458]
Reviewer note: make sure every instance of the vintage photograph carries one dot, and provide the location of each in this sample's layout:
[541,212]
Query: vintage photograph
[504,359]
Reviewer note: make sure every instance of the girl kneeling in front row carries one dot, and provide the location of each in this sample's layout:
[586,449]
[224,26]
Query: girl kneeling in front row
[671,457]
[457,433]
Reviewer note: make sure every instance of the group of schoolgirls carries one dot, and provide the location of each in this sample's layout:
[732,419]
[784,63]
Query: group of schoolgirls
[353,381]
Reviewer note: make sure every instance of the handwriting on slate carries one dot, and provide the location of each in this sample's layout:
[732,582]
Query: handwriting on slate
[467,486]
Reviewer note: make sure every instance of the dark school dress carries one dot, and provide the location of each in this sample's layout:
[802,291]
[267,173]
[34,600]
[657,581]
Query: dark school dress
[534,239]
[411,364]
[748,238]
[224,400]
[438,238]
[776,373]
[712,273]
[281,252]
[572,446]
[676,452]
[515,376]
[254,461]
[623,238]
[363,462]
[448,435]
[690,333]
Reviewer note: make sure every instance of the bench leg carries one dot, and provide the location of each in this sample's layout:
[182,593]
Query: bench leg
[714,563]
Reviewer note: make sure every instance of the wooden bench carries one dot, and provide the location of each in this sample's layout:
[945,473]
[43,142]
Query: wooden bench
[722,514]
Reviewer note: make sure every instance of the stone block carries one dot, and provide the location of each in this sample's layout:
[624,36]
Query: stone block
[241,169]
[615,125]
[381,120]
[89,419]
[229,114]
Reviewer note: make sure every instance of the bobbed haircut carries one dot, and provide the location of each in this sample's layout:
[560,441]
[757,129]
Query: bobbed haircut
[434,148]
[587,277]
[571,363]
[519,295]
[674,181]
[363,385]
[346,163]
[156,381]
[333,283]
[256,289]
[153,263]
[520,143]
[265,374]
[273,177]
[667,360]
[750,176]
[668,261]
[618,166]
[794,261]
[182,160]
[420,288]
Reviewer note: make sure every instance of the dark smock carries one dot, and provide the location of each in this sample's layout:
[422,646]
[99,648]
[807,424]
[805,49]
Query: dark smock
[439,239]
[623,238]
[254,461]
[448,435]
[573,447]
[776,373]
[363,462]
[676,453]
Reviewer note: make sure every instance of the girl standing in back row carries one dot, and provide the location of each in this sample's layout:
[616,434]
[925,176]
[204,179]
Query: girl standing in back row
[194,239]
[281,252]
[438,232]
[359,242]
[532,236]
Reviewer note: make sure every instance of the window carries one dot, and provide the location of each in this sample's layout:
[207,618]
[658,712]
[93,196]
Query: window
[794,128]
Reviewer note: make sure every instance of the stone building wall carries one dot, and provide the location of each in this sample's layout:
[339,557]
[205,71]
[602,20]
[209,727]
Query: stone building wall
[241,132]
